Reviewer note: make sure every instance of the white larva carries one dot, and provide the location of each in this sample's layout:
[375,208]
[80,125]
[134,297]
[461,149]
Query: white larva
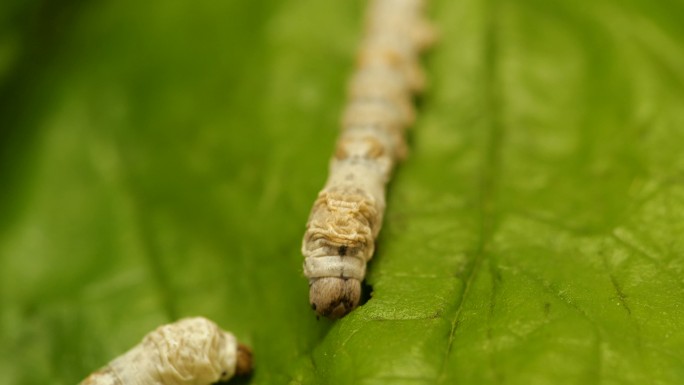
[347,216]
[192,351]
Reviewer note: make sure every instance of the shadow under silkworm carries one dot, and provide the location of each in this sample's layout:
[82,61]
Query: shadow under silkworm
[238,380]
[366,292]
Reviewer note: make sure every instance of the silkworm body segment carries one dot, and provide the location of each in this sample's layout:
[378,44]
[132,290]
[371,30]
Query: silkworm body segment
[347,215]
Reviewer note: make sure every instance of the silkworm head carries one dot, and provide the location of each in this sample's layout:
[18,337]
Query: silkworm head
[244,360]
[334,297]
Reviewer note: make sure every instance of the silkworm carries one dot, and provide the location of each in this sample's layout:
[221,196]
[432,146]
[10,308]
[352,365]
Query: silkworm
[347,215]
[192,351]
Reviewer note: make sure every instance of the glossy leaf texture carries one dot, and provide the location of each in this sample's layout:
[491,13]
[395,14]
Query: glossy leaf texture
[159,160]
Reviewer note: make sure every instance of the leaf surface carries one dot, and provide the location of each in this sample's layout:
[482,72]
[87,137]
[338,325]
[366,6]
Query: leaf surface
[160,159]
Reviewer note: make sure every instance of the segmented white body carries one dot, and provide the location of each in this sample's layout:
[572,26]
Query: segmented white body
[192,351]
[347,216]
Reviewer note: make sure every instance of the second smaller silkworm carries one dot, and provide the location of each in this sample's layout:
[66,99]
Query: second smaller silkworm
[192,351]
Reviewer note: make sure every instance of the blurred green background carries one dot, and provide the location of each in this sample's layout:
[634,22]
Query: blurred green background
[158,159]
